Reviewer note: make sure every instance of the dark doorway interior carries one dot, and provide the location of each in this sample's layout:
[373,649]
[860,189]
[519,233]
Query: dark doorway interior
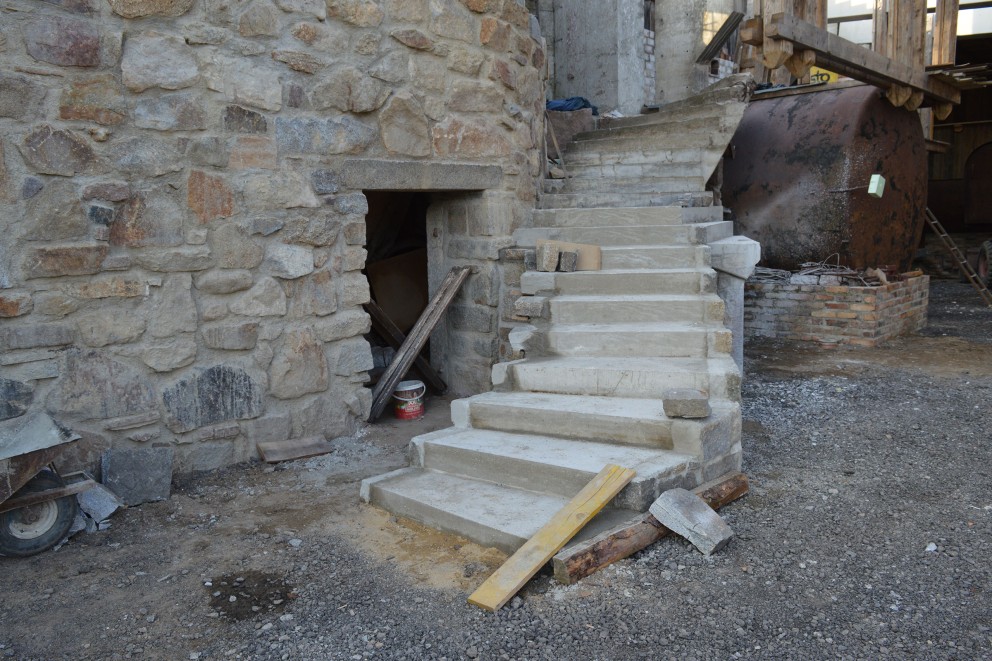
[396,267]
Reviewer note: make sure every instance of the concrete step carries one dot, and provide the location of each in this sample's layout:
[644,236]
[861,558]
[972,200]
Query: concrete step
[620,282]
[668,184]
[627,174]
[549,464]
[711,121]
[625,164]
[650,142]
[489,514]
[640,377]
[637,216]
[590,200]
[696,233]
[635,308]
[677,339]
[652,257]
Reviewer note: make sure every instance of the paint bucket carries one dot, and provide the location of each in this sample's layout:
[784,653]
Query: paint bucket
[409,400]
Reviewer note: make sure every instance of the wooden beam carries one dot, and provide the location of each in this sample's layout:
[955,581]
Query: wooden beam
[726,31]
[945,33]
[506,581]
[775,52]
[880,27]
[581,560]
[417,338]
[849,59]
[385,327]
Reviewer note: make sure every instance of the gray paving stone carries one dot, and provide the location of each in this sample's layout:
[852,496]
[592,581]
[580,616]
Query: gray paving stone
[688,515]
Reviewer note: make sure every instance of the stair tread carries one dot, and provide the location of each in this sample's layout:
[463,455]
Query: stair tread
[510,515]
[620,407]
[636,327]
[635,298]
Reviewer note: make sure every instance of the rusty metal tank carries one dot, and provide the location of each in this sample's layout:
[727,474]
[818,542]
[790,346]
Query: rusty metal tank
[797,181]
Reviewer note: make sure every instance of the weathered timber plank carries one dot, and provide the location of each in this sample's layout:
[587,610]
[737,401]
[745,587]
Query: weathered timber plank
[273,452]
[536,551]
[581,560]
[385,327]
[945,33]
[417,338]
[847,58]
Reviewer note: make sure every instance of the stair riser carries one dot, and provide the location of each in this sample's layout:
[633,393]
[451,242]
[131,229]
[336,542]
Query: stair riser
[698,233]
[675,184]
[681,344]
[617,217]
[713,438]
[593,427]
[632,163]
[619,284]
[621,383]
[591,200]
[649,143]
[656,258]
[612,311]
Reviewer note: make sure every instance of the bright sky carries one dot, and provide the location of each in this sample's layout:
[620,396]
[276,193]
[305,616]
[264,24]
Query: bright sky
[970,21]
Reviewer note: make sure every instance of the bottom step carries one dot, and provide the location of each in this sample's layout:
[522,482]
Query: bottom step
[488,514]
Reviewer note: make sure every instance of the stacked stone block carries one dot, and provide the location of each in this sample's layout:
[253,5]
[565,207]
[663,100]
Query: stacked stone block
[836,314]
[181,248]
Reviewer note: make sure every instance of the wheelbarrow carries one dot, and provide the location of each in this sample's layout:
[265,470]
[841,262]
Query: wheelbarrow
[37,505]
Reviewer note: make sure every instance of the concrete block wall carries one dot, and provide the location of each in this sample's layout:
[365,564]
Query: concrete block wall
[182,236]
[836,314]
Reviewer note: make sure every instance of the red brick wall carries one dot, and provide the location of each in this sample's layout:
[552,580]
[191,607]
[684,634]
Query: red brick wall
[861,316]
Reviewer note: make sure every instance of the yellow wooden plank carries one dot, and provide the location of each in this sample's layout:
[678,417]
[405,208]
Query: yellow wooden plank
[538,550]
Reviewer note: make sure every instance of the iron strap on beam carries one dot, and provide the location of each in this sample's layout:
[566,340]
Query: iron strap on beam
[848,58]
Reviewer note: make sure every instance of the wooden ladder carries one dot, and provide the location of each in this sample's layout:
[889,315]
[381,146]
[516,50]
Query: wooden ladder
[959,257]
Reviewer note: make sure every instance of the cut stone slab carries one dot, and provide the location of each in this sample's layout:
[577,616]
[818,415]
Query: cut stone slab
[138,476]
[688,515]
[686,403]
[547,257]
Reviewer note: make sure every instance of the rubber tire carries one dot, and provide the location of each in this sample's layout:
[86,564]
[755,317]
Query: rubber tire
[66,509]
[984,268]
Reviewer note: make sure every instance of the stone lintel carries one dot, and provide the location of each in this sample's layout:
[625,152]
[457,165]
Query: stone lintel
[380,174]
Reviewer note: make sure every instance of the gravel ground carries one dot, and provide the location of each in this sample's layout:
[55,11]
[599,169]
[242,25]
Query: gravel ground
[867,534]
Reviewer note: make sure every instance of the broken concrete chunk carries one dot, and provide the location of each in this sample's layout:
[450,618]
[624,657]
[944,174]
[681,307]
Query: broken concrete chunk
[547,257]
[686,403]
[688,515]
[99,503]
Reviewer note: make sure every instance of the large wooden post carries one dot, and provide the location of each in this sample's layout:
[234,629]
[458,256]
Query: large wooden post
[945,33]
[900,34]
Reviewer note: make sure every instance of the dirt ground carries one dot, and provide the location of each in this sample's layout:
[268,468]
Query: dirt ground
[860,460]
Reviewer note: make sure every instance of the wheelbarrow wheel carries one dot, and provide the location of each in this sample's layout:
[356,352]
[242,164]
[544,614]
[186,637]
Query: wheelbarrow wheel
[28,530]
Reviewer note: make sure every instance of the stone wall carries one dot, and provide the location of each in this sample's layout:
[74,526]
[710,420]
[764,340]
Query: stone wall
[183,223]
[836,314]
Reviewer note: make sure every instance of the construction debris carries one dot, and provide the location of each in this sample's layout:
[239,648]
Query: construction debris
[273,452]
[686,403]
[688,515]
[500,587]
[547,257]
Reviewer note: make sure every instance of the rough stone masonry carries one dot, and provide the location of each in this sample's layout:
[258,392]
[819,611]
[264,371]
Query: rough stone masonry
[182,236]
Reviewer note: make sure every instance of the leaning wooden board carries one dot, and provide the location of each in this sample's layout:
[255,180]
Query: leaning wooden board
[506,581]
[590,257]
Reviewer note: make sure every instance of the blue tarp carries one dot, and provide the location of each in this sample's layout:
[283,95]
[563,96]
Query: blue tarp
[571,103]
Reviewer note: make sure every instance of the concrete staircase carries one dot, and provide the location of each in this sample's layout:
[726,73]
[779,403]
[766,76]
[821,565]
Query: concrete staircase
[602,348]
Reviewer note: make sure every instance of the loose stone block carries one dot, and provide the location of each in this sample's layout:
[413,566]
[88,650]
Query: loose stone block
[55,261]
[138,476]
[153,59]
[20,97]
[171,112]
[547,257]
[217,394]
[55,151]
[64,41]
[688,515]
[141,8]
[209,197]
[308,135]
[686,403]
[15,398]
[243,120]
[567,261]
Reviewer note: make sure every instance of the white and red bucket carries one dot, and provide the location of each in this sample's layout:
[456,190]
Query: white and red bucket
[408,400]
